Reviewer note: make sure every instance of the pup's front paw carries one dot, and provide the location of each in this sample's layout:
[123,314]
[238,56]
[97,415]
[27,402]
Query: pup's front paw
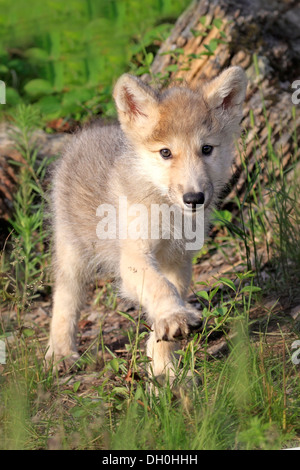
[61,360]
[175,325]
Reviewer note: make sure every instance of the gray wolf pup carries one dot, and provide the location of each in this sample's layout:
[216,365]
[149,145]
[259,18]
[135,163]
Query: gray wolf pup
[173,147]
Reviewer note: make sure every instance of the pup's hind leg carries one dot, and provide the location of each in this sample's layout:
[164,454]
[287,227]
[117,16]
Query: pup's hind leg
[68,296]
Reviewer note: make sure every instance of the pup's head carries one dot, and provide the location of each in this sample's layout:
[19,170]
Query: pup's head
[184,136]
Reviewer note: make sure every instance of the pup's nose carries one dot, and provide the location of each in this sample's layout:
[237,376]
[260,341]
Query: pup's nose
[192,199]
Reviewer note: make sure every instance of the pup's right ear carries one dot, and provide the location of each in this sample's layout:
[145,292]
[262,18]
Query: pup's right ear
[136,102]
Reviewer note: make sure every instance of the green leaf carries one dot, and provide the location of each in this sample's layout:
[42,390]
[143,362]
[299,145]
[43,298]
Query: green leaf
[228,283]
[220,311]
[248,289]
[202,283]
[77,412]
[120,391]
[55,44]
[196,33]
[213,292]
[195,56]
[149,58]
[212,46]
[127,316]
[3,68]
[139,393]
[217,22]
[73,100]
[37,54]
[143,335]
[246,275]
[208,53]
[205,312]
[76,386]
[178,50]
[222,216]
[12,97]
[172,68]
[27,332]
[180,352]
[141,70]
[50,106]
[203,294]
[38,87]
[217,321]
[114,363]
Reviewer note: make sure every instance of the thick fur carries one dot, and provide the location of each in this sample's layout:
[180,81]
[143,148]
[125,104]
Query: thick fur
[104,163]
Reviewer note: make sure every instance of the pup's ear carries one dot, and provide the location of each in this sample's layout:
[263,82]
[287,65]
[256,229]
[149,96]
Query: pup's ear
[226,93]
[136,103]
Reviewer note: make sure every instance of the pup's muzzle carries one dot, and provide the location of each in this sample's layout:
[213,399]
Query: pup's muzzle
[191,200]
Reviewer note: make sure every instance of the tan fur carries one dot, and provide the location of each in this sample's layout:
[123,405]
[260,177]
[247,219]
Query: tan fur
[104,163]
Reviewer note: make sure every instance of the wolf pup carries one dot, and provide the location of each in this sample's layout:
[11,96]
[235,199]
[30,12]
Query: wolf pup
[173,147]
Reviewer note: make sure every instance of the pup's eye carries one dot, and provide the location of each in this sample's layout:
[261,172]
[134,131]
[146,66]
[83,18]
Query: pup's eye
[166,153]
[207,149]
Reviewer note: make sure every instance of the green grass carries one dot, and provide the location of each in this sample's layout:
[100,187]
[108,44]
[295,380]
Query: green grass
[246,401]
[29,255]
[65,56]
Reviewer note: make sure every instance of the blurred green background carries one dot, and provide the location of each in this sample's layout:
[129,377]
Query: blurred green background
[65,56]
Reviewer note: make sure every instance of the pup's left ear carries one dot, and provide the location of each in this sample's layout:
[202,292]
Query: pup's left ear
[226,93]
